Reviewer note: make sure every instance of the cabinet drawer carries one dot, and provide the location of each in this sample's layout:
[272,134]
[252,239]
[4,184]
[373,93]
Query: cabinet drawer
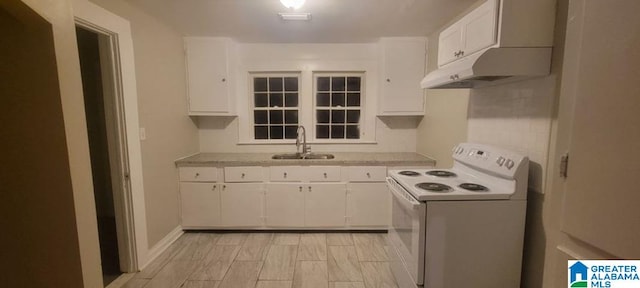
[366,173]
[243,174]
[323,173]
[286,173]
[198,174]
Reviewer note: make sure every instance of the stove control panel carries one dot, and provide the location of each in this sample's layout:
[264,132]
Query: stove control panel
[494,159]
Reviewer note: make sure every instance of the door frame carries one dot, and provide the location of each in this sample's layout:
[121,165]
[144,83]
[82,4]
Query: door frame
[132,228]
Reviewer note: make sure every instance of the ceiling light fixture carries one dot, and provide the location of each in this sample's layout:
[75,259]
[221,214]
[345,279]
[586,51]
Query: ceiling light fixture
[292,4]
[295,16]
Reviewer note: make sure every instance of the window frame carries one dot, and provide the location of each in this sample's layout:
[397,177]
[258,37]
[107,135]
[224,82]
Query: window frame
[252,105]
[362,107]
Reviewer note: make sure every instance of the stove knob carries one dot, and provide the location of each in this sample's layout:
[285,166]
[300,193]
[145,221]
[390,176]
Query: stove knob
[500,161]
[510,164]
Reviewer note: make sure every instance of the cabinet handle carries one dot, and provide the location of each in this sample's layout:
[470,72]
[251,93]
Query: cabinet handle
[224,187]
[285,174]
[309,188]
[368,174]
[300,189]
[214,187]
[325,175]
[388,80]
[224,79]
[197,174]
[242,176]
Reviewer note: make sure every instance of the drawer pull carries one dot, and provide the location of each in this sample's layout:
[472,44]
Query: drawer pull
[368,174]
[285,174]
[242,176]
[325,175]
[309,188]
[214,187]
[197,174]
[224,187]
[300,189]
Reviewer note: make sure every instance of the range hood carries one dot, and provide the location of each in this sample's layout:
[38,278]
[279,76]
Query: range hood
[491,66]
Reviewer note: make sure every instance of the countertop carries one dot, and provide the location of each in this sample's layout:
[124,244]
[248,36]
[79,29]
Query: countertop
[341,159]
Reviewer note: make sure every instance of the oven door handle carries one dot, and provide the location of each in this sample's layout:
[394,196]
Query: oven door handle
[409,203]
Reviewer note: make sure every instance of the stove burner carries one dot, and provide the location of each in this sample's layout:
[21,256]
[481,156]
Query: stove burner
[473,187]
[409,173]
[441,173]
[434,187]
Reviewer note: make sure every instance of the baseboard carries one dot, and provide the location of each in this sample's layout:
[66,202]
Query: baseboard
[161,246]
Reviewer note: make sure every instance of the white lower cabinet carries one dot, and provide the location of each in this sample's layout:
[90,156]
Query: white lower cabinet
[241,204]
[200,203]
[368,205]
[325,205]
[284,205]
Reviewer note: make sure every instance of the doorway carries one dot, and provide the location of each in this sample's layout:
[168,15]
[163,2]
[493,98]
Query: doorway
[106,137]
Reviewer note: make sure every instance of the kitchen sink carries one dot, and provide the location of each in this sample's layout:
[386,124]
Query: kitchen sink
[310,156]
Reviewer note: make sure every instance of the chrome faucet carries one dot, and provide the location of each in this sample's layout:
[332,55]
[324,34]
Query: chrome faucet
[305,150]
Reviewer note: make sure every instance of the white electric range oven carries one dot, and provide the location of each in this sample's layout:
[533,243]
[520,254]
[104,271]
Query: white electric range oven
[462,226]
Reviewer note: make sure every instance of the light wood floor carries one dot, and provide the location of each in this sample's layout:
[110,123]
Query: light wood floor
[271,260]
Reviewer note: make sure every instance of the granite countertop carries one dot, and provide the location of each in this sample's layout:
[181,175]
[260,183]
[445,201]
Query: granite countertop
[341,159]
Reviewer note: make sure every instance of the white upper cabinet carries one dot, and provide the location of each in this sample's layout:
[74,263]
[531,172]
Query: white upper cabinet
[209,75]
[402,66]
[474,32]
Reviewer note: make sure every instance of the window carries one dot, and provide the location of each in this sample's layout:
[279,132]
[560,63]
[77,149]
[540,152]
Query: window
[275,106]
[338,105]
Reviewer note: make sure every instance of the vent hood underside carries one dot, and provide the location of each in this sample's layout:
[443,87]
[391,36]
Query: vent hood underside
[491,66]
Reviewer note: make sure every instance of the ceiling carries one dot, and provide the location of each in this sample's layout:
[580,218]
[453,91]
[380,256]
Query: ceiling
[333,21]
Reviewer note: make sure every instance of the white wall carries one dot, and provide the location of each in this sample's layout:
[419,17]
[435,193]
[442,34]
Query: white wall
[235,134]
[515,116]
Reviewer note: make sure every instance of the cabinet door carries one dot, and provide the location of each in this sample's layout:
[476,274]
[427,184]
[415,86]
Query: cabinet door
[368,205]
[450,42]
[284,205]
[241,205]
[479,28]
[207,75]
[403,68]
[325,205]
[200,204]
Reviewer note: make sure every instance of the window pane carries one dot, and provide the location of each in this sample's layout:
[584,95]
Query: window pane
[353,83]
[261,132]
[275,84]
[290,84]
[322,100]
[261,100]
[353,132]
[323,83]
[353,116]
[322,116]
[275,117]
[322,131]
[353,99]
[337,131]
[260,117]
[337,99]
[275,100]
[291,99]
[337,116]
[276,132]
[337,84]
[260,84]
[291,116]
[290,132]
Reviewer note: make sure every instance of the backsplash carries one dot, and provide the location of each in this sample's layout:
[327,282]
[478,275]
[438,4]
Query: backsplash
[392,135]
[515,116]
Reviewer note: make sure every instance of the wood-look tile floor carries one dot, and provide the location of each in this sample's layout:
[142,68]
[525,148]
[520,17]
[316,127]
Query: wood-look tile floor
[270,260]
